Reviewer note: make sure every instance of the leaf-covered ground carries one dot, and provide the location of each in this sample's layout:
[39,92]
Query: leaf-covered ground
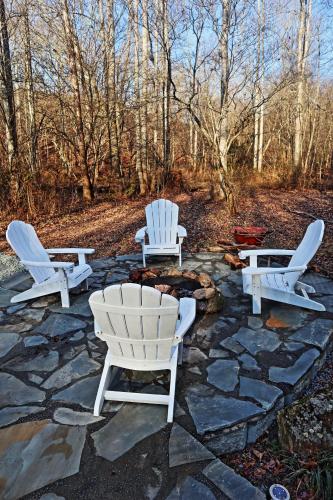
[109,227]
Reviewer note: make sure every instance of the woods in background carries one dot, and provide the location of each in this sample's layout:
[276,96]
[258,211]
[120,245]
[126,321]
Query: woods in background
[129,95]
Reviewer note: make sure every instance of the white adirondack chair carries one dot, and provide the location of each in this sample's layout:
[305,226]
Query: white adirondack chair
[162,229]
[282,283]
[36,259]
[142,331]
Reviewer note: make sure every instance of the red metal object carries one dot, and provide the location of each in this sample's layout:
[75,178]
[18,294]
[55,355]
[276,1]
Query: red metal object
[250,235]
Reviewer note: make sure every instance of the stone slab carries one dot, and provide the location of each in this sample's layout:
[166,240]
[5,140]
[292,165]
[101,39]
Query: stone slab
[211,412]
[195,369]
[256,429]
[328,303]
[227,291]
[34,454]
[8,340]
[79,367]
[257,340]
[218,353]
[291,374]
[116,277]
[77,336]
[133,257]
[236,278]
[190,489]
[15,392]
[254,323]
[6,296]
[35,379]
[265,394]
[15,280]
[57,325]
[51,496]
[73,351]
[132,424]
[284,316]
[28,314]
[193,355]
[70,417]
[21,327]
[82,393]
[41,363]
[34,340]
[249,363]
[17,307]
[293,346]
[229,441]
[79,307]
[320,283]
[223,374]
[231,484]
[185,449]
[12,414]
[316,333]
[232,345]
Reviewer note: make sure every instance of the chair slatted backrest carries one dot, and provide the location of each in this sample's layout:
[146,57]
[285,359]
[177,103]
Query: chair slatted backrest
[137,322]
[24,241]
[308,247]
[162,221]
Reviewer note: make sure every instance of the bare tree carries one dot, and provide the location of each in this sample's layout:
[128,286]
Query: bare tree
[259,97]
[302,54]
[7,104]
[78,85]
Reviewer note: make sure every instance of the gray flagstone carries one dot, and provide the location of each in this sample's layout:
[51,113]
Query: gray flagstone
[184,448]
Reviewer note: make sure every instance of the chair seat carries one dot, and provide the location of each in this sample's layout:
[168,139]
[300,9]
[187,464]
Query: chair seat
[78,274]
[74,277]
[277,281]
[162,249]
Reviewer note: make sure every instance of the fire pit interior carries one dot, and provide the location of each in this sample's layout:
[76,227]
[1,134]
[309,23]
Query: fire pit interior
[181,284]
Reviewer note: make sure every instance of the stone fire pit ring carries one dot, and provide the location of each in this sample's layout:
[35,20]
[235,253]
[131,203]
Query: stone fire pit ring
[182,283]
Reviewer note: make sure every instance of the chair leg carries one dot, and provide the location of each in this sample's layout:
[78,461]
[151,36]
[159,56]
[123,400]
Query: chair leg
[304,286]
[32,293]
[173,376]
[103,385]
[180,353]
[256,294]
[298,300]
[64,296]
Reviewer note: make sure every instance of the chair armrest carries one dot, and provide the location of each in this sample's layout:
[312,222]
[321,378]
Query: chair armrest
[272,270]
[87,251]
[249,253]
[60,265]
[182,233]
[140,235]
[187,309]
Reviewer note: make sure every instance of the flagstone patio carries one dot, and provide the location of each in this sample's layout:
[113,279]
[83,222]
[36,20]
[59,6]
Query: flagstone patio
[238,371]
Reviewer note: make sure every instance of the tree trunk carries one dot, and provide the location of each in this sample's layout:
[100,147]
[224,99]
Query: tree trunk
[258,99]
[8,105]
[77,78]
[145,73]
[224,97]
[137,111]
[302,53]
[29,86]
[166,91]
